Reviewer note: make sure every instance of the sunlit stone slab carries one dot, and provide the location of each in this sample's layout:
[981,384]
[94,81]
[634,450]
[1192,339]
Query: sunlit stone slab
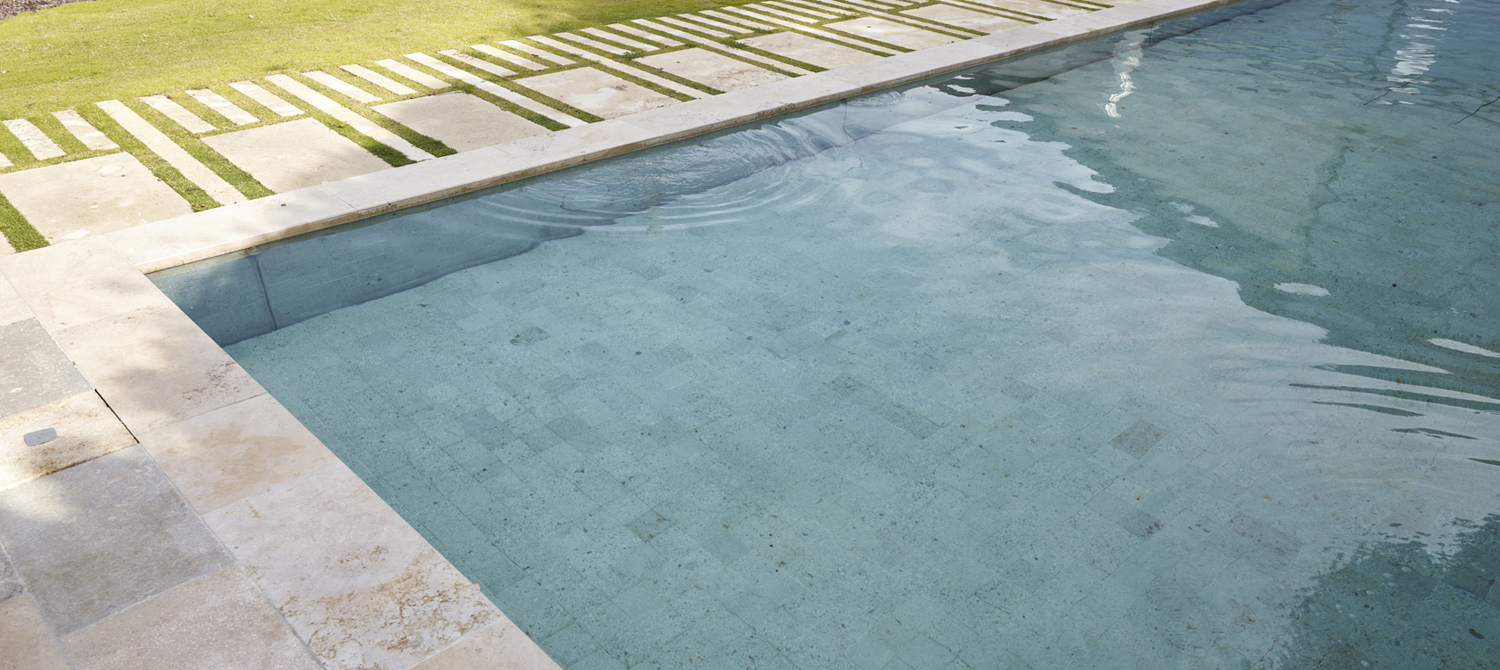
[177,113]
[288,156]
[1050,10]
[413,74]
[355,120]
[378,79]
[596,92]
[219,104]
[964,18]
[460,120]
[265,98]
[93,195]
[355,93]
[797,46]
[85,131]
[24,637]
[476,63]
[891,32]
[509,57]
[711,69]
[34,139]
[176,156]
[86,429]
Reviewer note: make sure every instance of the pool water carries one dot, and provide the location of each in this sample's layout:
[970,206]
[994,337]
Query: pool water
[1185,357]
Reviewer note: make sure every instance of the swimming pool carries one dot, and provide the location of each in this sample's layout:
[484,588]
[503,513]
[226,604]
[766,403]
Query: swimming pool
[1182,357]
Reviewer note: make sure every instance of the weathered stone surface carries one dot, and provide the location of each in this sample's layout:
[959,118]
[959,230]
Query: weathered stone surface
[99,537]
[235,452]
[71,284]
[33,370]
[24,640]
[460,120]
[964,18]
[288,156]
[797,46]
[596,92]
[353,579]
[86,429]
[215,186]
[890,32]
[94,195]
[499,646]
[10,584]
[219,621]
[711,69]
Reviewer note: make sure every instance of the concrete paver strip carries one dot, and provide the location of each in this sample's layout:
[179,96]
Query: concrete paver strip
[297,154]
[476,63]
[701,28]
[35,371]
[223,106]
[509,57]
[726,48]
[414,74]
[820,11]
[188,120]
[764,12]
[266,98]
[936,26]
[597,92]
[85,131]
[355,93]
[797,46]
[891,32]
[93,195]
[711,69]
[498,91]
[829,36]
[161,145]
[538,53]
[460,120]
[966,18]
[645,35]
[731,19]
[635,45]
[34,139]
[326,105]
[1043,8]
[86,429]
[593,43]
[621,67]
[378,79]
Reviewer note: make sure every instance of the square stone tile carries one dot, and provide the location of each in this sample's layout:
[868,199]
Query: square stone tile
[711,69]
[24,639]
[797,46]
[459,120]
[964,18]
[91,196]
[12,307]
[155,367]
[235,452]
[100,537]
[77,282]
[891,32]
[33,370]
[297,154]
[353,579]
[597,92]
[86,429]
[499,646]
[220,621]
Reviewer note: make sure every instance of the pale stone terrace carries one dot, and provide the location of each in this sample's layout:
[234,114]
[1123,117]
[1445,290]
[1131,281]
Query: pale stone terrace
[209,147]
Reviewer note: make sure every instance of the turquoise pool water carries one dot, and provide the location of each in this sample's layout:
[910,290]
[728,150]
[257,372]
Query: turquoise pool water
[1183,356]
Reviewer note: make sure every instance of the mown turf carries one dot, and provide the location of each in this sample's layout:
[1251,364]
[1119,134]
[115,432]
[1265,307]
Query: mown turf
[81,53]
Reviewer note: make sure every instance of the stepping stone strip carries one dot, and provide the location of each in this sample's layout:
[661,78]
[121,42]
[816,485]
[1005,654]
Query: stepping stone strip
[158,143]
[365,126]
[85,131]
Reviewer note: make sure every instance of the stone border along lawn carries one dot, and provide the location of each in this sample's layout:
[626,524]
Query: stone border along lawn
[611,68]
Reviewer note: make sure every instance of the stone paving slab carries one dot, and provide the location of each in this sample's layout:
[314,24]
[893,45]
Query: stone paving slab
[726,49]
[414,74]
[77,283]
[359,123]
[85,131]
[24,639]
[169,632]
[711,69]
[114,533]
[378,79]
[812,50]
[35,141]
[509,57]
[288,156]
[497,90]
[966,18]
[598,93]
[266,99]
[477,63]
[355,93]
[86,429]
[1042,8]
[701,27]
[651,43]
[34,370]
[223,106]
[91,196]
[169,107]
[891,32]
[593,43]
[622,67]
[539,54]
[161,145]
[459,120]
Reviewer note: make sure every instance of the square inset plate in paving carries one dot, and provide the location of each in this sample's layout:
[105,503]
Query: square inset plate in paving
[891,32]
[460,120]
[596,92]
[799,47]
[99,537]
[288,156]
[94,195]
[711,69]
[86,429]
[33,369]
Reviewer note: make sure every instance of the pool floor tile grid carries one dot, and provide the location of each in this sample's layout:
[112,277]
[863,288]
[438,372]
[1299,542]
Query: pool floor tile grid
[774,29]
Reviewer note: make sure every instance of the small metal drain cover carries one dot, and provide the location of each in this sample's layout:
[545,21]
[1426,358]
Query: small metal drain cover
[39,437]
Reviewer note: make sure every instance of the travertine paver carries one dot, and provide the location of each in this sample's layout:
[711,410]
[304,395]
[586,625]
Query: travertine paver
[622,67]
[497,90]
[114,532]
[891,32]
[797,46]
[192,122]
[460,120]
[24,639]
[33,369]
[589,42]
[93,195]
[34,139]
[725,48]
[413,74]
[161,145]
[223,106]
[501,639]
[820,11]
[596,92]
[966,18]
[288,156]
[701,28]
[730,19]
[822,34]
[509,57]
[218,621]
[378,79]
[476,63]
[711,69]
[1042,8]
[355,93]
[365,126]
[632,30]
[86,429]
[85,131]
[266,98]
[538,53]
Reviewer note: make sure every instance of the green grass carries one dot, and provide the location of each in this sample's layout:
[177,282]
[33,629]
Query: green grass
[21,235]
[84,52]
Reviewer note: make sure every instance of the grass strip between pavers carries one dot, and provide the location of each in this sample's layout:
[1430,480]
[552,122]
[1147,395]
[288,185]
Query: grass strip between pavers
[22,235]
[418,140]
[193,144]
[195,196]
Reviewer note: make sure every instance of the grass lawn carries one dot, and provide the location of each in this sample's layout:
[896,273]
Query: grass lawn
[84,52]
